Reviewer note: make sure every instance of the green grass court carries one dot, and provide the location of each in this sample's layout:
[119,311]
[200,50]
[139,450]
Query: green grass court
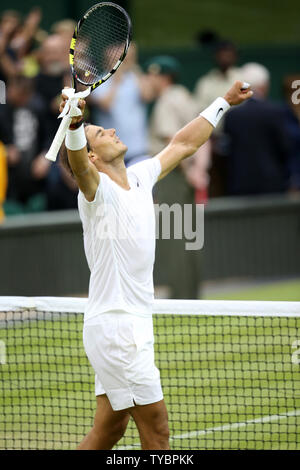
[49,401]
[276,291]
[229,383]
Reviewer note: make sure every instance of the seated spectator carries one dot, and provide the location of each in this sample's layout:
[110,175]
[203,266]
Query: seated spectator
[22,122]
[3,179]
[258,144]
[292,115]
[120,103]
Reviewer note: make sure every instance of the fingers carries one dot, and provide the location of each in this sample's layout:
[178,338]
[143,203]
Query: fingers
[245,89]
[81,103]
[61,106]
[63,102]
[248,94]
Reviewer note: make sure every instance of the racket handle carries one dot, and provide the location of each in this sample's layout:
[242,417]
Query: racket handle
[58,139]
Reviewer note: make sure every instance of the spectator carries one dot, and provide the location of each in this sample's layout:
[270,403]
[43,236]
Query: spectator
[217,81]
[24,36]
[61,192]
[258,143]
[292,115]
[17,40]
[9,23]
[120,103]
[208,88]
[3,179]
[64,28]
[53,76]
[173,109]
[22,123]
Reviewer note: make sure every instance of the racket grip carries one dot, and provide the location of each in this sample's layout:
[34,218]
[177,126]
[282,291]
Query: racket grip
[58,139]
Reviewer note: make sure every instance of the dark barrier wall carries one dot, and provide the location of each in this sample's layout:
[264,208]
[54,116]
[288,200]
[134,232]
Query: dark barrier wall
[257,237]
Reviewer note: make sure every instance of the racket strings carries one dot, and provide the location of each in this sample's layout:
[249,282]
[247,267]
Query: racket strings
[101,42]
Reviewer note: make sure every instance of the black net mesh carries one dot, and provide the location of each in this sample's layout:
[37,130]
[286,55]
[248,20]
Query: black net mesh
[101,42]
[229,382]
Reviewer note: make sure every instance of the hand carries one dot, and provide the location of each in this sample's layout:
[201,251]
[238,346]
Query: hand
[40,167]
[237,94]
[13,155]
[81,106]
[34,18]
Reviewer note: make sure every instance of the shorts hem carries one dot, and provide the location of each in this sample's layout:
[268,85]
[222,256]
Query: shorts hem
[137,403]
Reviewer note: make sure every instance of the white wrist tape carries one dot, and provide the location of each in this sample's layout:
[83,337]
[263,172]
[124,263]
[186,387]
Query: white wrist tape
[215,111]
[75,139]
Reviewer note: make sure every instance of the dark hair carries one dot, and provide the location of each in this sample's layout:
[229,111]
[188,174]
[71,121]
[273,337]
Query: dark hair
[225,44]
[63,154]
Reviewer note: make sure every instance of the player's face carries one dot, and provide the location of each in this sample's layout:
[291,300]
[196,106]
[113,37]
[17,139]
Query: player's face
[105,143]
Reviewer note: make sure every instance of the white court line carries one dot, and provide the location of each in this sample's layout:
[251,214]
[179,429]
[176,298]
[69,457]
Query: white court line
[228,427]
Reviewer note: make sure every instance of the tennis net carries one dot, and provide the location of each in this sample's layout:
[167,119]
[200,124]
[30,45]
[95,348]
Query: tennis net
[230,373]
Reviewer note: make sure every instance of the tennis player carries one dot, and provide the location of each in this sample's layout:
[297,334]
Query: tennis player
[115,206]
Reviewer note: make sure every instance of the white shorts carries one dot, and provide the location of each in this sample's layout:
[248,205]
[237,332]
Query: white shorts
[120,349]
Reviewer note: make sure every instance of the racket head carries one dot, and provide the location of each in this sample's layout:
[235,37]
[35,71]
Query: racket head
[100,43]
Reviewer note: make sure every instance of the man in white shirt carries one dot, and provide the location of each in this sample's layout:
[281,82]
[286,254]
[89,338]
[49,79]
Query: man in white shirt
[117,213]
[218,80]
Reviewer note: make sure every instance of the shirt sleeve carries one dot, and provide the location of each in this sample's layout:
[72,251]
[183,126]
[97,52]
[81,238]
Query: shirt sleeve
[147,171]
[88,208]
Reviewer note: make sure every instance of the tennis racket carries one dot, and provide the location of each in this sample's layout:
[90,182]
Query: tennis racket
[99,45]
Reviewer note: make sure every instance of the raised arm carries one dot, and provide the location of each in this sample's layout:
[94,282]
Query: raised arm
[85,173]
[188,139]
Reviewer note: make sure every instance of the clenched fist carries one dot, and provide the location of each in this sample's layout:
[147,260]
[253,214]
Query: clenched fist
[238,93]
[81,106]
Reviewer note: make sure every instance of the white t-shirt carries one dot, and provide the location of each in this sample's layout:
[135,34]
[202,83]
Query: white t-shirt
[119,242]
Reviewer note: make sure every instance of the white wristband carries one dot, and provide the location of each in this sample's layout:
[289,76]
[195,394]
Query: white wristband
[215,111]
[75,139]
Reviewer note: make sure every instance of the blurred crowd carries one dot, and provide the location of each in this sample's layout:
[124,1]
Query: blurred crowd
[255,150]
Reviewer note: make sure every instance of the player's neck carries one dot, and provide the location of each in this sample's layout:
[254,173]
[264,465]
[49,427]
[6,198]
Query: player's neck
[116,170]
